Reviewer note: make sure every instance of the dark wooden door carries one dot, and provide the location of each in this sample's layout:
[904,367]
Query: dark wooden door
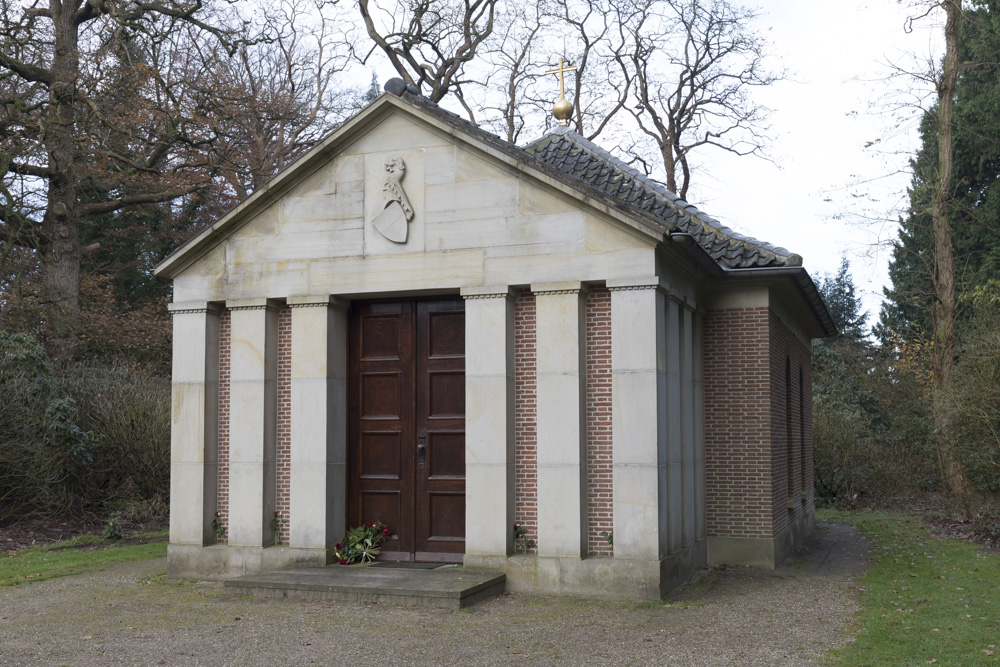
[406,425]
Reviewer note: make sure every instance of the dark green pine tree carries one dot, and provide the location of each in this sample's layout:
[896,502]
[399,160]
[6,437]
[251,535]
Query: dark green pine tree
[908,310]
[842,301]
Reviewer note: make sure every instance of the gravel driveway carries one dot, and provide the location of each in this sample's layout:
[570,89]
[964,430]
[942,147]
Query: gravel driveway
[131,614]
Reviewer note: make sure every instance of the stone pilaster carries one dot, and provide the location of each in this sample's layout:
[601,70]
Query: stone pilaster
[253,421]
[194,424]
[318,477]
[638,369]
[562,432]
[489,435]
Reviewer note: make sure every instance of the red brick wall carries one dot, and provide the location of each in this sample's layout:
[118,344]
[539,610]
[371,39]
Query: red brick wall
[739,464]
[525,420]
[222,501]
[284,436]
[600,509]
[790,360]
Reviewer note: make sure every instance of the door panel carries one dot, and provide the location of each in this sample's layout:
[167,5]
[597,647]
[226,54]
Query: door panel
[440,418]
[406,425]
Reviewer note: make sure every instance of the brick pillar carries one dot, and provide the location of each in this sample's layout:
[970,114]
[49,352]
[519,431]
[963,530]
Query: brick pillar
[526,417]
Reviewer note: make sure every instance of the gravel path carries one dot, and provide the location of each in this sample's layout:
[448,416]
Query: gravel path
[132,615]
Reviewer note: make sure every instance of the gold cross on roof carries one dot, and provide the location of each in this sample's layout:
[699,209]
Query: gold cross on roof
[563,109]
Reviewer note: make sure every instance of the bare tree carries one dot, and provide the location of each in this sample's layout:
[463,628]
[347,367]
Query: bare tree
[507,72]
[65,130]
[943,276]
[279,96]
[692,65]
[594,35]
[428,42]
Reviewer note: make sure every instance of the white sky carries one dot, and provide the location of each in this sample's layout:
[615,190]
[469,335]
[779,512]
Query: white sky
[825,194]
[813,201]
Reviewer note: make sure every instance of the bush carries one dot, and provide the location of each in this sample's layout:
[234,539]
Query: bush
[77,440]
[976,398]
[871,427]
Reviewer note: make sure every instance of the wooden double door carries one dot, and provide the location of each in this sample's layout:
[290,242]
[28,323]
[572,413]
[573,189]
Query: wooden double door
[406,425]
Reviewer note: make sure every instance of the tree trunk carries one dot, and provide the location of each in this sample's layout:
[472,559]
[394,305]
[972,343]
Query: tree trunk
[952,472]
[61,243]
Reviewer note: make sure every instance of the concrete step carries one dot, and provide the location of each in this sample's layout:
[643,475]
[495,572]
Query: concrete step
[448,586]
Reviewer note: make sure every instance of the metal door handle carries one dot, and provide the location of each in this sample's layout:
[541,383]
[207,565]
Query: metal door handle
[421,450]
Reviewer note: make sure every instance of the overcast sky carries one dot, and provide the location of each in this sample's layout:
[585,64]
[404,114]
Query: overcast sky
[813,201]
[825,194]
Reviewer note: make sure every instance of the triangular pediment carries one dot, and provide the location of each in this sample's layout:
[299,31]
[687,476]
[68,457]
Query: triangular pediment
[453,175]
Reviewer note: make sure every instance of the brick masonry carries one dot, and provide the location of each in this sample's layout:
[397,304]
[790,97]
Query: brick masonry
[225,348]
[791,424]
[600,493]
[749,442]
[737,432]
[525,417]
[284,424]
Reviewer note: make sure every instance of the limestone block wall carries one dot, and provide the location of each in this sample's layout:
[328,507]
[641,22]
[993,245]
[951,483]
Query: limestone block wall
[738,419]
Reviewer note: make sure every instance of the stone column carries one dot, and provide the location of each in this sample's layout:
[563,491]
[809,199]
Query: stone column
[638,375]
[253,421]
[318,479]
[194,425]
[688,396]
[489,434]
[562,431]
[675,483]
[701,527]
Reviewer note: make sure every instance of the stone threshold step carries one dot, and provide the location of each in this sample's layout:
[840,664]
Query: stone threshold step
[450,587]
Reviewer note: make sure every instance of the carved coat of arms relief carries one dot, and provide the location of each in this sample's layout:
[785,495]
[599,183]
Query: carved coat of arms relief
[393,221]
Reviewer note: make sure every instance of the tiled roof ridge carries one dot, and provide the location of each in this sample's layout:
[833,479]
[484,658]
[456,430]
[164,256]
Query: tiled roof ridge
[725,245]
[644,195]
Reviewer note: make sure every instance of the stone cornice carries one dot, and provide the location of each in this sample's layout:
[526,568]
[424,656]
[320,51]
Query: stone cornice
[569,287]
[191,307]
[487,292]
[268,307]
[317,302]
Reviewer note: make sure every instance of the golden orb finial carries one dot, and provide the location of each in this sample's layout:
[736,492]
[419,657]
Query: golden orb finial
[563,108]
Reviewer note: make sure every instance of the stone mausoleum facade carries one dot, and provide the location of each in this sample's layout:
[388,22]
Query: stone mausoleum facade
[420,323]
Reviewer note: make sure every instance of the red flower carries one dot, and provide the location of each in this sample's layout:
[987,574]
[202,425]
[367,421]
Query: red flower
[337,546]
[386,531]
[342,562]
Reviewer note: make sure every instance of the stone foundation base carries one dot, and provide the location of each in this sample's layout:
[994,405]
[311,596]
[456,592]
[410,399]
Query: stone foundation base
[769,552]
[596,576]
[220,561]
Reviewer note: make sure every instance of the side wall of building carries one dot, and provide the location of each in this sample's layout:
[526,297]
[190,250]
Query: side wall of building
[758,434]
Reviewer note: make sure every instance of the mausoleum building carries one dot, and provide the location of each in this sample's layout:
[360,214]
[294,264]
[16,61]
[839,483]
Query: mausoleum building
[420,323]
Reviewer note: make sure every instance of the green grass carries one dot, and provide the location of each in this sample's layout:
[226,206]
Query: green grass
[926,600]
[84,553]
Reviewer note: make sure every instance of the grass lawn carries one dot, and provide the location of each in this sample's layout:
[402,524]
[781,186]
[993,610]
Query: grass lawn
[86,553]
[927,599]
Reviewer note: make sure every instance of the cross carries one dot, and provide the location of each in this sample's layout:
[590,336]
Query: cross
[560,70]
[563,109]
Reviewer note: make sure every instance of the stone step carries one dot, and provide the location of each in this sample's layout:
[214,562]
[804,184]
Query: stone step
[448,586]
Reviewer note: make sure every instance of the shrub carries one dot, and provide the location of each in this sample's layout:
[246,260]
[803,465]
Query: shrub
[78,439]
